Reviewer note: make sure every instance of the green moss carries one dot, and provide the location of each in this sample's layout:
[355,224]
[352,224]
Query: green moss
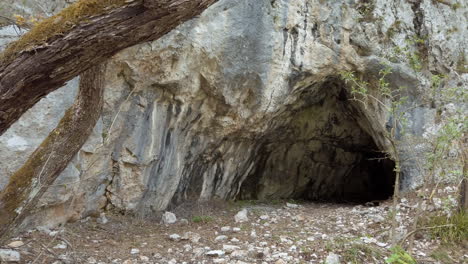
[462,65]
[366,10]
[58,25]
[393,29]
[456,6]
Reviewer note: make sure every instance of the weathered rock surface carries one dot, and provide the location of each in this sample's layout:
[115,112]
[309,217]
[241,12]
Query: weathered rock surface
[246,101]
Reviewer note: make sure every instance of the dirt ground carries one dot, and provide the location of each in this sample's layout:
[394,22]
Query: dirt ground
[276,232]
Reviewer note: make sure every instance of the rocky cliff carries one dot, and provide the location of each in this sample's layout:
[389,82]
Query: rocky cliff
[246,101]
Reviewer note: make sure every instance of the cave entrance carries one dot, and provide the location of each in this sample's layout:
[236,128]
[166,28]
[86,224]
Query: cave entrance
[320,150]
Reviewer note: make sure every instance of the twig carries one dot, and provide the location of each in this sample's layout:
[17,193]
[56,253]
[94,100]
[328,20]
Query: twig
[40,254]
[423,228]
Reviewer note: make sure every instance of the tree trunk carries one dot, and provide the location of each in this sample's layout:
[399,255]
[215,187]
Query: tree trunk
[33,73]
[29,183]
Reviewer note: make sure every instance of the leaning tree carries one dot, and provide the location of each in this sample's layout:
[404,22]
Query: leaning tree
[77,41]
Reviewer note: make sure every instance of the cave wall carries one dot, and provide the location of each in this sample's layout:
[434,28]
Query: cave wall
[244,100]
[319,151]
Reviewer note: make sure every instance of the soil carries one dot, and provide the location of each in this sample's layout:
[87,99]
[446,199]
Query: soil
[276,232]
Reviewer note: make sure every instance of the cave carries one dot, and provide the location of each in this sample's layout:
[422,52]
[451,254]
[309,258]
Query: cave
[320,149]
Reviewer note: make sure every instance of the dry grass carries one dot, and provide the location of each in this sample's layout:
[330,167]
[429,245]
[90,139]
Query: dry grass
[58,25]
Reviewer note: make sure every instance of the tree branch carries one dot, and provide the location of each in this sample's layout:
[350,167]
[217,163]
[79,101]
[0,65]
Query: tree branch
[31,73]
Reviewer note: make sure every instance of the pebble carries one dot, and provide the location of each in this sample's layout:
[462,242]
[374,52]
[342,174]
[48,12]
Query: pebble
[61,246]
[221,238]
[225,229]
[239,254]
[230,248]
[16,244]
[292,206]
[174,237]
[134,251]
[215,253]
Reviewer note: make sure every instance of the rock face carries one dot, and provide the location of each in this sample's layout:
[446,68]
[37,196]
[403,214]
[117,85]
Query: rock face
[246,101]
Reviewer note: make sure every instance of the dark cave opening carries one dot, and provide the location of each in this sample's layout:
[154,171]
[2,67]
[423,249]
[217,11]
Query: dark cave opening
[321,151]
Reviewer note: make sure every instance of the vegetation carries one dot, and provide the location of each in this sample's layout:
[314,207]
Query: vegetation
[202,219]
[57,25]
[449,229]
[440,163]
[400,256]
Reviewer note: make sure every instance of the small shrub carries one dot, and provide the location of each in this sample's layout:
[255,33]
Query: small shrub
[400,256]
[449,229]
[202,219]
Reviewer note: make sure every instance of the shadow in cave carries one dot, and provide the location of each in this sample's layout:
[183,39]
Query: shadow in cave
[321,151]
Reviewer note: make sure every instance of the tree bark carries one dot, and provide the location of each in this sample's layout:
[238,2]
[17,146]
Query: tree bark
[34,73]
[28,184]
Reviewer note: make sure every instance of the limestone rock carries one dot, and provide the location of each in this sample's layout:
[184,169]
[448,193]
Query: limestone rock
[241,216]
[9,255]
[245,101]
[332,258]
[169,218]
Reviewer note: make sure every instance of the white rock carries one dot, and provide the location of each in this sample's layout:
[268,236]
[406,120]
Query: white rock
[144,258]
[239,254]
[230,248]
[193,237]
[174,237]
[61,246]
[225,229]
[332,258]
[264,217]
[16,244]
[291,205]
[219,260]
[221,238]
[91,260]
[187,248]
[9,255]
[198,252]
[215,253]
[241,216]
[134,251]
[103,219]
[236,230]
[169,218]
[253,234]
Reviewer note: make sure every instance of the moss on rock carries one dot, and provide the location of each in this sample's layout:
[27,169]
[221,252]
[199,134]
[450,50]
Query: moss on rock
[58,24]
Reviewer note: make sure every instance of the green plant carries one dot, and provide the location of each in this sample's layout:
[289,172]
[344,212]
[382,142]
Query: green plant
[400,256]
[442,255]
[393,102]
[462,65]
[450,229]
[366,9]
[414,58]
[394,28]
[455,6]
[202,219]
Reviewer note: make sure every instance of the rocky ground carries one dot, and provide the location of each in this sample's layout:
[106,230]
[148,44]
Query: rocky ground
[241,232]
